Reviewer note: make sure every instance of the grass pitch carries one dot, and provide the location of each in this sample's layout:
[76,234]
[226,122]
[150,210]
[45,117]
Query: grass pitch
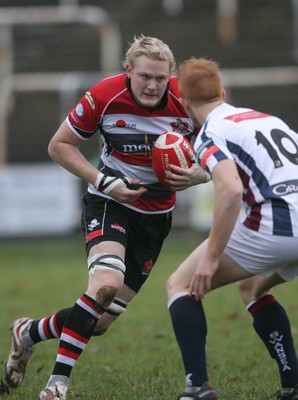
[138,359]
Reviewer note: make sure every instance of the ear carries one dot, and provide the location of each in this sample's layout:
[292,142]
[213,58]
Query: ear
[224,94]
[129,70]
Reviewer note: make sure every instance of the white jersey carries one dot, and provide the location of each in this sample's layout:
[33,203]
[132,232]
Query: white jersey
[265,150]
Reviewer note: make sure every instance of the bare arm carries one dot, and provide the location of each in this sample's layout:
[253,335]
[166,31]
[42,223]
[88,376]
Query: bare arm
[63,148]
[228,197]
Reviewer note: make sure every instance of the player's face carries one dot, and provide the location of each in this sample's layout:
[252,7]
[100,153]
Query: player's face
[149,79]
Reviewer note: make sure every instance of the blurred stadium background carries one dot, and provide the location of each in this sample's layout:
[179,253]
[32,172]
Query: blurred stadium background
[51,53]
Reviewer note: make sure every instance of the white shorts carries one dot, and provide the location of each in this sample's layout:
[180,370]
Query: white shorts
[263,254]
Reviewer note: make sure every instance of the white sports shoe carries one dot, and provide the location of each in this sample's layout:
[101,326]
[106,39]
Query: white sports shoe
[15,367]
[57,392]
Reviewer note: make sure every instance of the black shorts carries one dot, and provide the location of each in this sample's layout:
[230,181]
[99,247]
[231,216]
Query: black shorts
[141,234]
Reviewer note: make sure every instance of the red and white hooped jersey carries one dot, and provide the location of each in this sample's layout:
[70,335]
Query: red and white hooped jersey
[265,150]
[128,132]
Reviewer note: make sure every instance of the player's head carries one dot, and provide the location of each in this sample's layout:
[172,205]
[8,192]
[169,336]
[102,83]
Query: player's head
[151,47]
[149,64]
[200,81]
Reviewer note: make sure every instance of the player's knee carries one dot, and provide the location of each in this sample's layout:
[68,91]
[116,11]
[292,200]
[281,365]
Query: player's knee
[246,292]
[170,286]
[106,263]
[105,295]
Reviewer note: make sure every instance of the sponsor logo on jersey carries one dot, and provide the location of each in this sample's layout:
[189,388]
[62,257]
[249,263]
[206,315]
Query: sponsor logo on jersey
[93,224]
[120,123]
[247,115]
[118,228]
[80,110]
[90,100]
[135,148]
[180,126]
[284,188]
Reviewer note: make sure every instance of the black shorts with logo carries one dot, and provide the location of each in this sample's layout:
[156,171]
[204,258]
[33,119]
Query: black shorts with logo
[141,234]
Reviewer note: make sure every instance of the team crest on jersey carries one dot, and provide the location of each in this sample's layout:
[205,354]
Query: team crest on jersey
[180,126]
[80,110]
[73,116]
[147,267]
[90,100]
[93,224]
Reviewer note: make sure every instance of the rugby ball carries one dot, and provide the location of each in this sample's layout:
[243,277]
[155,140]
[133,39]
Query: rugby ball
[170,148]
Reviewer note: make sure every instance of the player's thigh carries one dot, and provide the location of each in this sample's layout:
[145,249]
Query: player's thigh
[229,271]
[105,225]
[148,233]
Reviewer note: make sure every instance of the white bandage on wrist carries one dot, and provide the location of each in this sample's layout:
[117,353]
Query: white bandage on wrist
[99,178]
[105,183]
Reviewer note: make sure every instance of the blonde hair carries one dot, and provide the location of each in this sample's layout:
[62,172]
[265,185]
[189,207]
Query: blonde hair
[151,47]
[199,81]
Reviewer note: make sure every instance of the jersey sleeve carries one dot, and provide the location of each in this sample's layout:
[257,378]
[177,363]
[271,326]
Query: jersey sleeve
[83,119]
[210,149]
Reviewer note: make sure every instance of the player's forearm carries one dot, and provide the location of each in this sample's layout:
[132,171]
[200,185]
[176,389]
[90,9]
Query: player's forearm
[226,210]
[69,157]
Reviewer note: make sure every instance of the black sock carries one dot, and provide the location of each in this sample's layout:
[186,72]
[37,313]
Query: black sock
[48,327]
[76,333]
[271,323]
[190,327]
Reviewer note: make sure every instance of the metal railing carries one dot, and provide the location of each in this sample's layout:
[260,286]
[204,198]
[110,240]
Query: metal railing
[110,50]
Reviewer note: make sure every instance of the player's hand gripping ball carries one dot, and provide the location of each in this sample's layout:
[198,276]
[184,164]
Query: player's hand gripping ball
[170,148]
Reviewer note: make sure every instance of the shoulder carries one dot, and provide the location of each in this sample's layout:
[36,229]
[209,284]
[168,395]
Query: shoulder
[109,86]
